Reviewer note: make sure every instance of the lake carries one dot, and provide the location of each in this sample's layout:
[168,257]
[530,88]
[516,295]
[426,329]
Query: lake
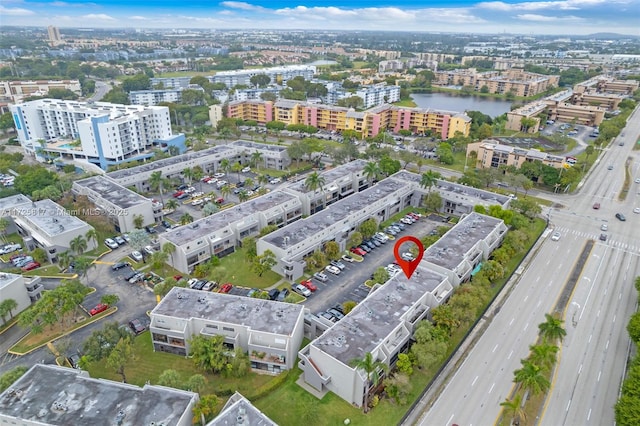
[460,103]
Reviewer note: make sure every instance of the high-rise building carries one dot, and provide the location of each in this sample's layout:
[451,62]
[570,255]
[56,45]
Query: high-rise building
[54,34]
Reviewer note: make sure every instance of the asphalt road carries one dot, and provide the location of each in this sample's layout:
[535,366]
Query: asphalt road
[593,355]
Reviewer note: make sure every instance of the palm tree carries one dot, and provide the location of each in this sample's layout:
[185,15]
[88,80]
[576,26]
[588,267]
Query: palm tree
[531,377]
[262,179]
[78,245]
[91,235]
[186,218]
[371,369]
[225,191]
[198,174]
[138,221]
[256,159]
[513,408]
[169,248]
[243,196]
[428,180]
[371,171]
[225,165]
[7,306]
[157,182]
[172,204]
[64,259]
[187,173]
[314,181]
[552,330]
[248,183]
[543,355]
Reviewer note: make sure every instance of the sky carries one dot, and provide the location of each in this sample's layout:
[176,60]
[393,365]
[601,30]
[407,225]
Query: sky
[561,17]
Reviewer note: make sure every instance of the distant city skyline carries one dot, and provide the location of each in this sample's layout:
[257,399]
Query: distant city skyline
[559,17]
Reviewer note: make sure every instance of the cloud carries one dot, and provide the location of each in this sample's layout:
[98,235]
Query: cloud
[543,18]
[59,4]
[546,5]
[139,18]
[15,11]
[100,16]
[241,5]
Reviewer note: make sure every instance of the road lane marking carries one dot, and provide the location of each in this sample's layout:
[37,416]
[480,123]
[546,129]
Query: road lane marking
[589,415]
[607,346]
[511,322]
[538,305]
[450,418]
[491,388]
[580,369]
[598,313]
[599,373]
[474,381]
[568,404]
[526,297]
[526,326]
[494,348]
[510,353]
[538,279]
[590,336]
[614,318]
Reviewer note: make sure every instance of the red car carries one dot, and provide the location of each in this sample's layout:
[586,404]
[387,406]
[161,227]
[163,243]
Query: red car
[359,251]
[100,307]
[30,266]
[226,288]
[414,216]
[220,200]
[308,284]
[178,194]
[177,277]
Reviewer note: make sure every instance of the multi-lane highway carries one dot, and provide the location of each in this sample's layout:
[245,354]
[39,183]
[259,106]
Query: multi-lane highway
[593,354]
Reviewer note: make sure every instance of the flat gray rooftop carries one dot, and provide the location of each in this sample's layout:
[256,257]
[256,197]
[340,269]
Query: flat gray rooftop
[239,411]
[332,175]
[53,395]
[258,314]
[527,143]
[259,146]
[6,279]
[51,218]
[159,164]
[306,228]
[221,219]
[113,192]
[373,319]
[14,201]
[449,250]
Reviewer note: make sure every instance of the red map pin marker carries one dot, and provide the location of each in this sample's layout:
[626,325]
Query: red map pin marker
[408,266]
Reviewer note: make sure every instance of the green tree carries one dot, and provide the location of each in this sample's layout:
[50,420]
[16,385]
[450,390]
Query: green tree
[256,159]
[513,409]
[368,228]
[100,343]
[388,165]
[120,356]
[260,80]
[543,355]
[404,364]
[172,204]
[208,353]
[39,255]
[187,174]
[35,178]
[6,307]
[355,239]
[138,238]
[169,249]
[185,219]
[332,250]
[91,235]
[225,165]
[11,376]
[381,275]
[138,221]
[348,306]
[433,202]
[157,182]
[314,181]
[264,262]
[64,259]
[110,299]
[204,409]
[78,245]
[551,330]
[4,224]
[296,151]
[372,370]
[170,378]
[531,378]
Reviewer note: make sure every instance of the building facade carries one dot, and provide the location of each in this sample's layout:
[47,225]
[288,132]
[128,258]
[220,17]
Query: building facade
[270,332]
[24,291]
[16,91]
[278,75]
[493,154]
[109,134]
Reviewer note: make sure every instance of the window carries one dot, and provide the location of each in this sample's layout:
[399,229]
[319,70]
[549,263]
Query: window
[228,329]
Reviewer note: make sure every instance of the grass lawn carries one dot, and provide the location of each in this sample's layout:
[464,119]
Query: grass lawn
[406,103]
[149,365]
[48,271]
[240,274]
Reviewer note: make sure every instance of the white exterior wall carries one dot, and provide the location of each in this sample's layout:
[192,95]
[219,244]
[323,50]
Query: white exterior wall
[12,287]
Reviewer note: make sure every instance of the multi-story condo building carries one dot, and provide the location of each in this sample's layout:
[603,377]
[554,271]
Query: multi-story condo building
[384,322]
[118,204]
[155,96]
[45,224]
[239,411]
[370,122]
[171,82]
[54,35]
[492,153]
[378,94]
[252,94]
[271,332]
[608,85]
[16,91]
[23,290]
[48,395]
[517,81]
[457,77]
[273,157]
[109,134]
[278,75]
[220,233]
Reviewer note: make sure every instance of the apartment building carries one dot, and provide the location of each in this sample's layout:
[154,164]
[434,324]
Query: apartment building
[16,91]
[278,75]
[47,225]
[154,97]
[54,35]
[109,134]
[273,156]
[118,204]
[21,289]
[608,85]
[220,233]
[370,122]
[49,395]
[252,94]
[239,411]
[382,324]
[492,153]
[517,81]
[270,332]
[378,94]
[457,77]
[215,115]
[171,82]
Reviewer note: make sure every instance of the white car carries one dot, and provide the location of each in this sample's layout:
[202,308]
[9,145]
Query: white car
[197,202]
[221,183]
[192,282]
[197,194]
[10,248]
[212,181]
[604,227]
[333,269]
[218,175]
[407,256]
[637,180]
[149,250]
[246,170]
[347,258]
[190,190]
[302,290]
[111,243]
[636,210]
[382,236]
[275,181]
[136,255]
[555,236]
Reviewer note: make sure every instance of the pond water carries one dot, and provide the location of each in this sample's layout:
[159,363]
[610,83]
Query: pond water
[450,102]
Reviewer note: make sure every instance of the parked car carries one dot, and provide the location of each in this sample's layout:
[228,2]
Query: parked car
[219,200]
[302,290]
[336,313]
[137,326]
[407,256]
[100,307]
[178,194]
[246,170]
[192,282]
[338,307]
[358,251]
[74,360]
[251,292]
[118,239]
[226,288]
[130,275]
[309,285]
[198,202]
[555,236]
[334,270]
[21,261]
[338,264]
[603,237]
[136,278]
[604,227]
[218,175]
[282,295]
[111,243]
[275,181]
[620,217]
[406,221]
[10,248]
[347,258]
[149,250]
[120,265]
[30,266]
[636,210]
[209,286]
[320,277]
[199,285]
[273,293]
[327,316]
[364,247]
[136,255]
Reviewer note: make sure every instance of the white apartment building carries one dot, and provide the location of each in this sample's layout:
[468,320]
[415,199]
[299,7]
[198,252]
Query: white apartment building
[239,411]
[49,395]
[378,94]
[220,233]
[16,91]
[252,94]
[48,225]
[382,324]
[461,251]
[109,134]
[155,96]
[278,75]
[171,82]
[270,332]
[23,291]
[273,156]
[118,204]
